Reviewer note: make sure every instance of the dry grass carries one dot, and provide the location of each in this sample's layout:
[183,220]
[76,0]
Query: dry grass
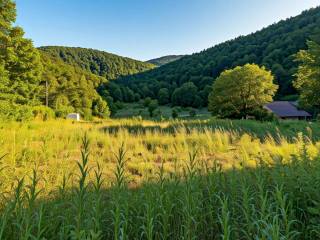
[199,174]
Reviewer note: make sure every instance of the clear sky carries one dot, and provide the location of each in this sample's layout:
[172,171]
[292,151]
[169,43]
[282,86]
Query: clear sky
[145,29]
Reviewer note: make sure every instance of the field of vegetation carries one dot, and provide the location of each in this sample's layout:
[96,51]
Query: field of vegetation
[164,166]
[138,179]
[130,110]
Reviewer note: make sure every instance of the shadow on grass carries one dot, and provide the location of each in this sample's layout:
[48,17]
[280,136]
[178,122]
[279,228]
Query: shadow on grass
[270,202]
[277,130]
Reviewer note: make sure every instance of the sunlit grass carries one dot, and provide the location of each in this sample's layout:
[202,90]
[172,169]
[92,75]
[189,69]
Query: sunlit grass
[135,179]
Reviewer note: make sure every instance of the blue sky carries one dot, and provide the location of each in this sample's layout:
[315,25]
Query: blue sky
[145,29]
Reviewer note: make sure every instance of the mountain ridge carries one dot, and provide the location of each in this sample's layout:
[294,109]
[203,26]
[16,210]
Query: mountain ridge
[160,61]
[102,63]
[273,46]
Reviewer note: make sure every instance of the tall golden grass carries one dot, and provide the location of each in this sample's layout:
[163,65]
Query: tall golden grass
[135,179]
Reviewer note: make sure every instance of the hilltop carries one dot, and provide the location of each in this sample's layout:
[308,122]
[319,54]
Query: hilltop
[101,63]
[273,47]
[165,60]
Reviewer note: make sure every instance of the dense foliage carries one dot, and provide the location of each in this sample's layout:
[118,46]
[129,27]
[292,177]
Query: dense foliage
[239,92]
[29,79]
[102,64]
[308,76]
[20,66]
[97,62]
[273,47]
[156,185]
[165,60]
[68,88]
[18,112]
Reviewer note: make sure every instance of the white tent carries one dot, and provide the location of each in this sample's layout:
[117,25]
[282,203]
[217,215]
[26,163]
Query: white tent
[74,116]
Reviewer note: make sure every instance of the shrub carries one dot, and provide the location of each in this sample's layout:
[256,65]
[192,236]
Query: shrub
[43,113]
[119,105]
[174,113]
[263,115]
[15,112]
[100,108]
[192,113]
[87,114]
[152,107]
[63,111]
[147,102]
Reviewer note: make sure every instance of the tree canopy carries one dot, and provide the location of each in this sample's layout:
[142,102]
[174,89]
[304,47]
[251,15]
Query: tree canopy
[20,66]
[29,79]
[308,76]
[107,65]
[238,92]
[165,60]
[185,95]
[273,47]
[71,88]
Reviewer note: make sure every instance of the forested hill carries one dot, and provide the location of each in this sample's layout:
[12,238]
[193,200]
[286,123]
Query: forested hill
[273,47]
[97,62]
[70,88]
[165,60]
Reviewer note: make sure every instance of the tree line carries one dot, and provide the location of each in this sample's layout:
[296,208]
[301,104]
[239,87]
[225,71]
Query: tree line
[243,91]
[188,81]
[53,81]
[34,83]
[107,65]
[250,71]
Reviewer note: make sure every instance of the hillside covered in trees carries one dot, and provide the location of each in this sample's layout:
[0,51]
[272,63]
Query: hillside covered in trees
[165,60]
[54,81]
[188,81]
[97,62]
[67,88]
[39,83]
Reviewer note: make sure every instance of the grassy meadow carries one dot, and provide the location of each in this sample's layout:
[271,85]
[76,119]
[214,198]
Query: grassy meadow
[130,110]
[140,179]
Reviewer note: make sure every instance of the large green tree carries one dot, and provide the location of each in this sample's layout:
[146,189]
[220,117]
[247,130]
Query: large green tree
[272,47]
[238,92]
[20,65]
[185,95]
[164,96]
[308,76]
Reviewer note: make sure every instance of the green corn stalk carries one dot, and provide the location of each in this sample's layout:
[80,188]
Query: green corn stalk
[97,207]
[81,191]
[119,212]
[224,219]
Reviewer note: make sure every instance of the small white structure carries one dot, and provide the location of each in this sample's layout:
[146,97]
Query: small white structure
[74,116]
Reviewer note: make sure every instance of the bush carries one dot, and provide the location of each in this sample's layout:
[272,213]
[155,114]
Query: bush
[137,97]
[87,114]
[119,105]
[192,113]
[261,114]
[174,113]
[9,111]
[185,95]
[42,113]
[100,108]
[164,96]
[147,102]
[23,113]
[63,111]
[153,105]
[14,112]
